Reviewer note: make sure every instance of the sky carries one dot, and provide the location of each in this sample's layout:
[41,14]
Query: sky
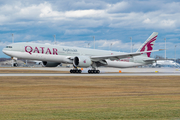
[75,22]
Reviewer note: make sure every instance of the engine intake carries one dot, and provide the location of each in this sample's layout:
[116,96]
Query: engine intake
[82,61]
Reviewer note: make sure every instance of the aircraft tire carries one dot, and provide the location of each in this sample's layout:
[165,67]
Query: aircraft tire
[79,71]
[89,71]
[97,71]
[93,71]
[15,64]
[75,71]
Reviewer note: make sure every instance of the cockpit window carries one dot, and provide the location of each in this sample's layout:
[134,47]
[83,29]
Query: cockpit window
[8,46]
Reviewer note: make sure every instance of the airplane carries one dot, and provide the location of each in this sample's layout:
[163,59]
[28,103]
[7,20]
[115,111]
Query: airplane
[161,63]
[53,55]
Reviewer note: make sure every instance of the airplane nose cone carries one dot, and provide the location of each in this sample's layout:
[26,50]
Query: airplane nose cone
[4,51]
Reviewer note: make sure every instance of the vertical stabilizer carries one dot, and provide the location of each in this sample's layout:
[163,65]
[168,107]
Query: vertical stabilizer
[148,44]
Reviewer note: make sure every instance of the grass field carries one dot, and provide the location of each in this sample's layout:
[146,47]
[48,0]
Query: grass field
[54,98]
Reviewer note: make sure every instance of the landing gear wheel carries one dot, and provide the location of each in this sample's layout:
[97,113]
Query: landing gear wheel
[93,71]
[97,71]
[15,64]
[79,71]
[75,71]
[89,71]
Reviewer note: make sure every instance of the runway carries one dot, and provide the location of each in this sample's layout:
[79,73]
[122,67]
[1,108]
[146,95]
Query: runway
[104,72]
[107,74]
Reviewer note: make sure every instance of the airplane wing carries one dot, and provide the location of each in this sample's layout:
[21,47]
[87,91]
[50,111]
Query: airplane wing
[120,56]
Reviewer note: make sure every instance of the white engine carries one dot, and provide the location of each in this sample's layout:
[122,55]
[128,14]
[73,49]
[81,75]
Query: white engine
[50,64]
[82,61]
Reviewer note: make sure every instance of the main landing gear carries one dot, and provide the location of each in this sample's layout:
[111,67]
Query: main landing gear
[75,71]
[93,71]
[80,71]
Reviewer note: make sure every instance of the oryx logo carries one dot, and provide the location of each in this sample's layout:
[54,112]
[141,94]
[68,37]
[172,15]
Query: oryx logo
[84,61]
[149,46]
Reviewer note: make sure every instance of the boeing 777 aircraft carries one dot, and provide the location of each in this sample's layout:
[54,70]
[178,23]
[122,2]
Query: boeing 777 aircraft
[53,55]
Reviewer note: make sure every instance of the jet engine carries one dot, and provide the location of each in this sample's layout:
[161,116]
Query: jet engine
[50,64]
[82,61]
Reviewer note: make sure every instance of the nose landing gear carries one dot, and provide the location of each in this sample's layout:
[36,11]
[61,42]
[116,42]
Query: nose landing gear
[15,64]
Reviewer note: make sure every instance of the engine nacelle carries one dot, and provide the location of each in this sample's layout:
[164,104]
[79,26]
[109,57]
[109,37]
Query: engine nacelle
[82,61]
[50,64]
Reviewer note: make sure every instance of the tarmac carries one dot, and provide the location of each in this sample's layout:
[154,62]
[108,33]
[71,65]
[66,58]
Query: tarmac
[104,72]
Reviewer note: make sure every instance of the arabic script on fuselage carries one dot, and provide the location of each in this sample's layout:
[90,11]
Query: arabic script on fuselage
[69,50]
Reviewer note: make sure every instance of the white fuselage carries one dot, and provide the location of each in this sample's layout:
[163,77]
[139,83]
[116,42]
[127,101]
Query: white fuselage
[65,54]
